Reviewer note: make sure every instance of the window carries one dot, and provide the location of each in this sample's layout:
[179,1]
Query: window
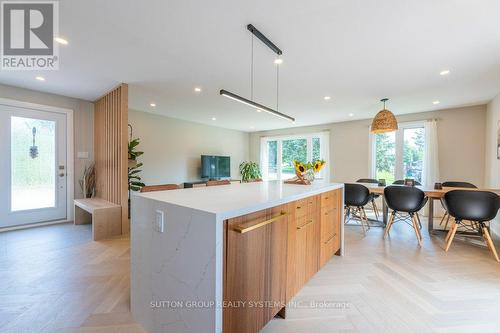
[278,154]
[399,155]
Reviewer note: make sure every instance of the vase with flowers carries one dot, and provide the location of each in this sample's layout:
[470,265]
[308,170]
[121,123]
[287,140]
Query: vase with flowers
[305,173]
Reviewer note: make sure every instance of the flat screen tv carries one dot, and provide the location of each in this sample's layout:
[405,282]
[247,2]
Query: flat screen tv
[215,167]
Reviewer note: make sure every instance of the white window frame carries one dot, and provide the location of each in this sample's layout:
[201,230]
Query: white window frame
[324,138]
[398,148]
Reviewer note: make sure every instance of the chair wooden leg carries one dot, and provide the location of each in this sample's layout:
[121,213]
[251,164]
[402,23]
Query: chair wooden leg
[388,226]
[453,230]
[418,220]
[487,237]
[375,209]
[444,216]
[416,229]
[447,221]
[448,234]
[365,217]
[419,227]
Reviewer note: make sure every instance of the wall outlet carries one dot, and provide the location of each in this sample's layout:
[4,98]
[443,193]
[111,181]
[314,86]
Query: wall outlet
[159,223]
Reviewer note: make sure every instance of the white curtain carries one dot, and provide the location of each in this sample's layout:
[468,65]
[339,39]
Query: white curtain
[431,157]
[264,165]
[431,160]
[325,154]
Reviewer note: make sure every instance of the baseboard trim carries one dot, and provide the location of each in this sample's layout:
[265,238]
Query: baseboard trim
[33,225]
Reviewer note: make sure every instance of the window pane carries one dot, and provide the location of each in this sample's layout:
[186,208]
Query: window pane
[316,153]
[33,174]
[385,153]
[292,150]
[272,170]
[413,153]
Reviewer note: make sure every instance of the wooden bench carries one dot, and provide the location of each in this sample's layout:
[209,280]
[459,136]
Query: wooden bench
[105,217]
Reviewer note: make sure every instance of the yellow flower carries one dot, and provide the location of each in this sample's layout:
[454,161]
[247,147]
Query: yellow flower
[318,165]
[299,167]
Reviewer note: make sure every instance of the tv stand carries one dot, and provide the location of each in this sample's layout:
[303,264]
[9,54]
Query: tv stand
[202,183]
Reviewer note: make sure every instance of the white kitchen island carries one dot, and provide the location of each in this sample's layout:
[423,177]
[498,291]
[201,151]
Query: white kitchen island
[177,265]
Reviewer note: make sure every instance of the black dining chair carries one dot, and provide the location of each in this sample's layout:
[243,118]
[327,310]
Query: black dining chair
[476,207]
[402,182]
[373,195]
[356,196]
[452,184]
[405,201]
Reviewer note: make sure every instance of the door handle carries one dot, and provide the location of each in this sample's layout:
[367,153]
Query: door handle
[240,229]
[62,174]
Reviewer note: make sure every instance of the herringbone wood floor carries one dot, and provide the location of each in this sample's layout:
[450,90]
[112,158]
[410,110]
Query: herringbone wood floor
[55,279]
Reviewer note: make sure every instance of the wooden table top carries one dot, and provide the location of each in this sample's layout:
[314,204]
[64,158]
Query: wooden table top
[429,191]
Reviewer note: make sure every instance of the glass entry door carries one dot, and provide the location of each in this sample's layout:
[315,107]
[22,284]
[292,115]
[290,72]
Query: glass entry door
[33,164]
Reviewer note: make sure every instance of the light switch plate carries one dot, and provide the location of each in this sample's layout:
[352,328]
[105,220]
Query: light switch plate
[159,223]
[82,154]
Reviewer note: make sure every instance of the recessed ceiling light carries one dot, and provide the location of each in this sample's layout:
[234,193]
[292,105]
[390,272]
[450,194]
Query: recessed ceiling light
[40,78]
[327,98]
[435,102]
[213,118]
[351,114]
[152,105]
[61,40]
[444,72]
[278,61]
[259,110]
[197,89]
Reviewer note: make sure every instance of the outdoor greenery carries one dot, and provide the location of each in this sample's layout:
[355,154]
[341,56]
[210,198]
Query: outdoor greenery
[413,154]
[385,154]
[292,150]
[134,180]
[250,171]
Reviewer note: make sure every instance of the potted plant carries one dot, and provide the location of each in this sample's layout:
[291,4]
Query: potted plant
[250,171]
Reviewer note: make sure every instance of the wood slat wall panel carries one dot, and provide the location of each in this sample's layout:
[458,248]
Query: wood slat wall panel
[110,149]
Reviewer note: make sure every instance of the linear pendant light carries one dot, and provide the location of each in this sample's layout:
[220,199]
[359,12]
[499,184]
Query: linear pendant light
[249,102]
[257,106]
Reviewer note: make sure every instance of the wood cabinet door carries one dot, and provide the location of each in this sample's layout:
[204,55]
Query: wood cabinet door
[255,269]
[330,225]
[303,244]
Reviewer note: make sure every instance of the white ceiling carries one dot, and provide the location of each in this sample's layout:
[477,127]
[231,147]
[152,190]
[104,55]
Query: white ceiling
[355,51]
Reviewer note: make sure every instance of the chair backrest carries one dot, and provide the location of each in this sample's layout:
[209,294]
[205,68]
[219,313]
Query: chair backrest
[402,182]
[367,181]
[164,187]
[478,206]
[218,182]
[356,195]
[404,198]
[458,184]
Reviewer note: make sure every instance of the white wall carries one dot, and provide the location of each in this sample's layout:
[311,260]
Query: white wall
[172,147]
[461,144]
[83,122]
[492,167]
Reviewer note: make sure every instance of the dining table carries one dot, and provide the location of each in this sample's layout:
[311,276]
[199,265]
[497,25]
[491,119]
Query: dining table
[430,192]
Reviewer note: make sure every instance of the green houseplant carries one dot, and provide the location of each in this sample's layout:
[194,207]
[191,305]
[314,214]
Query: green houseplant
[134,180]
[250,171]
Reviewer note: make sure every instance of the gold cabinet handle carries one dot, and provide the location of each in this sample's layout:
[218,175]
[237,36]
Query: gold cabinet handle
[243,230]
[299,207]
[330,239]
[305,225]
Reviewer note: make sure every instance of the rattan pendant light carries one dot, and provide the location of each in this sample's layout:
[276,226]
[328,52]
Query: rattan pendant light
[384,121]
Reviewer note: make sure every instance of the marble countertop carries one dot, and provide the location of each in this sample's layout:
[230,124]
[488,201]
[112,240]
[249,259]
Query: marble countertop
[227,201]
